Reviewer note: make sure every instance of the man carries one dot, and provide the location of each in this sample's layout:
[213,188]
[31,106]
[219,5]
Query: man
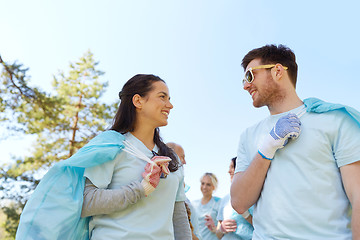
[178,149]
[305,190]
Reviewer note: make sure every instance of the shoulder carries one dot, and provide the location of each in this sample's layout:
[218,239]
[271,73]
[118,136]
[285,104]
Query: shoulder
[107,139]
[195,203]
[217,199]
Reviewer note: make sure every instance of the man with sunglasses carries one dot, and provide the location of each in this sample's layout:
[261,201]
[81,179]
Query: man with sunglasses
[299,166]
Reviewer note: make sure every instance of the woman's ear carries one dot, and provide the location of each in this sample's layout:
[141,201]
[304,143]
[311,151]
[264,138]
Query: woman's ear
[137,101]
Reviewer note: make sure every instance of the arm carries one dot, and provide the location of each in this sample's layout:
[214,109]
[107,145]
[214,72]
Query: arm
[105,201]
[225,226]
[249,219]
[351,179]
[247,185]
[219,232]
[181,223]
[194,237]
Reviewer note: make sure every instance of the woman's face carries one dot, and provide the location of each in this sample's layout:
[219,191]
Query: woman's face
[155,106]
[207,186]
[231,170]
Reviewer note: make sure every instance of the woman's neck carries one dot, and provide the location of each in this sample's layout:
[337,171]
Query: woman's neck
[206,199]
[146,136]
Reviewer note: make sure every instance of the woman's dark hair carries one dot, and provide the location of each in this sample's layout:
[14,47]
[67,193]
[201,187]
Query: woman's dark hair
[124,120]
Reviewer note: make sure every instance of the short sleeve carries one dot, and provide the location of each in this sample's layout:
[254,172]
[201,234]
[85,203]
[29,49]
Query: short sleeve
[180,195]
[242,162]
[220,215]
[346,142]
[101,175]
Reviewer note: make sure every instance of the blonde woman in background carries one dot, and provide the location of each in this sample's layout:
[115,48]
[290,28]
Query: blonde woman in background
[207,207]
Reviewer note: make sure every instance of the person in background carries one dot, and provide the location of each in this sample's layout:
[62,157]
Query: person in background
[232,225]
[207,207]
[124,184]
[300,165]
[193,216]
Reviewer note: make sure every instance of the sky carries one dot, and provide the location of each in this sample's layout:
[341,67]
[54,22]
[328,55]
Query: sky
[196,46]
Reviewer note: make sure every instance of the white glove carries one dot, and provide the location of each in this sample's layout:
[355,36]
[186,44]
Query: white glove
[287,127]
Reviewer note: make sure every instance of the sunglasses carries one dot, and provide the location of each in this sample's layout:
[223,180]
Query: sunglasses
[249,75]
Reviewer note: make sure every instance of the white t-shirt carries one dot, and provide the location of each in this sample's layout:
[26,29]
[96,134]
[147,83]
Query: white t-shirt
[150,217]
[303,196]
[244,230]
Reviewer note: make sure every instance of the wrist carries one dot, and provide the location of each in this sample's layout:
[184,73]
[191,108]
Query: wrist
[148,188]
[268,148]
[246,214]
[222,230]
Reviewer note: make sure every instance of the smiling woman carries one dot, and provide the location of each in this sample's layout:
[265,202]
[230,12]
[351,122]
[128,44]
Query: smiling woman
[127,183]
[207,207]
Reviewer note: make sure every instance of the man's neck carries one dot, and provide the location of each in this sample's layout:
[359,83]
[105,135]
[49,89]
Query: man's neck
[285,105]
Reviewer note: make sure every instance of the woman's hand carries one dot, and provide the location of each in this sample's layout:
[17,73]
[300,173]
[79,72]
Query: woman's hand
[228,225]
[151,177]
[153,172]
[209,223]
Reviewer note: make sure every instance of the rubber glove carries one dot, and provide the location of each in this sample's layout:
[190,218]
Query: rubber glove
[153,172]
[163,163]
[287,127]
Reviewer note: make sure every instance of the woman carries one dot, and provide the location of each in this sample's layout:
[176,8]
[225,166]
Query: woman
[232,225]
[207,207]
[129,191]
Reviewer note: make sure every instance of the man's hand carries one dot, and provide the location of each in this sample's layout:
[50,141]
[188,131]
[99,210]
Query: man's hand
[287,127]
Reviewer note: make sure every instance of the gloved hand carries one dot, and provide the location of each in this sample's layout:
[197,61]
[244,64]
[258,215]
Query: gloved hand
[228,225]
[151,177]
[287,127]
[163,163]
[209,223]
[153,171]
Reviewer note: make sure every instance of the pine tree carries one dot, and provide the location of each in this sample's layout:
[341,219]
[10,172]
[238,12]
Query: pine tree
[61,123]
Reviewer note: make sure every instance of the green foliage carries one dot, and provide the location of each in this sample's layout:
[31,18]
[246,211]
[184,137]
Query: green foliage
[11,222]
[61,123]
[20,103]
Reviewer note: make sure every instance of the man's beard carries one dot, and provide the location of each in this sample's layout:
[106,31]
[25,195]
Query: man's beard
[270,95]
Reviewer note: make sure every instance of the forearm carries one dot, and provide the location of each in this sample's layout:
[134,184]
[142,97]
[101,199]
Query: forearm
[351,181]
[246,186]
[355,220]
[181,223]
[105,201]
[218,232]
[194,237]
[249,219]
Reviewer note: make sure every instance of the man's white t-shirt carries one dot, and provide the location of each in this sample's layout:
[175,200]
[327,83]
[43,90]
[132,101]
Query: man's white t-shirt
[303,195]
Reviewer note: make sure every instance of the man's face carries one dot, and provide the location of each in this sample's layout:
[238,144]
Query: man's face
[180,152]
[263,90]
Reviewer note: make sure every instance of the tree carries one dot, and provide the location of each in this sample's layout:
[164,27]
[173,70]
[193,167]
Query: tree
[62,123]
